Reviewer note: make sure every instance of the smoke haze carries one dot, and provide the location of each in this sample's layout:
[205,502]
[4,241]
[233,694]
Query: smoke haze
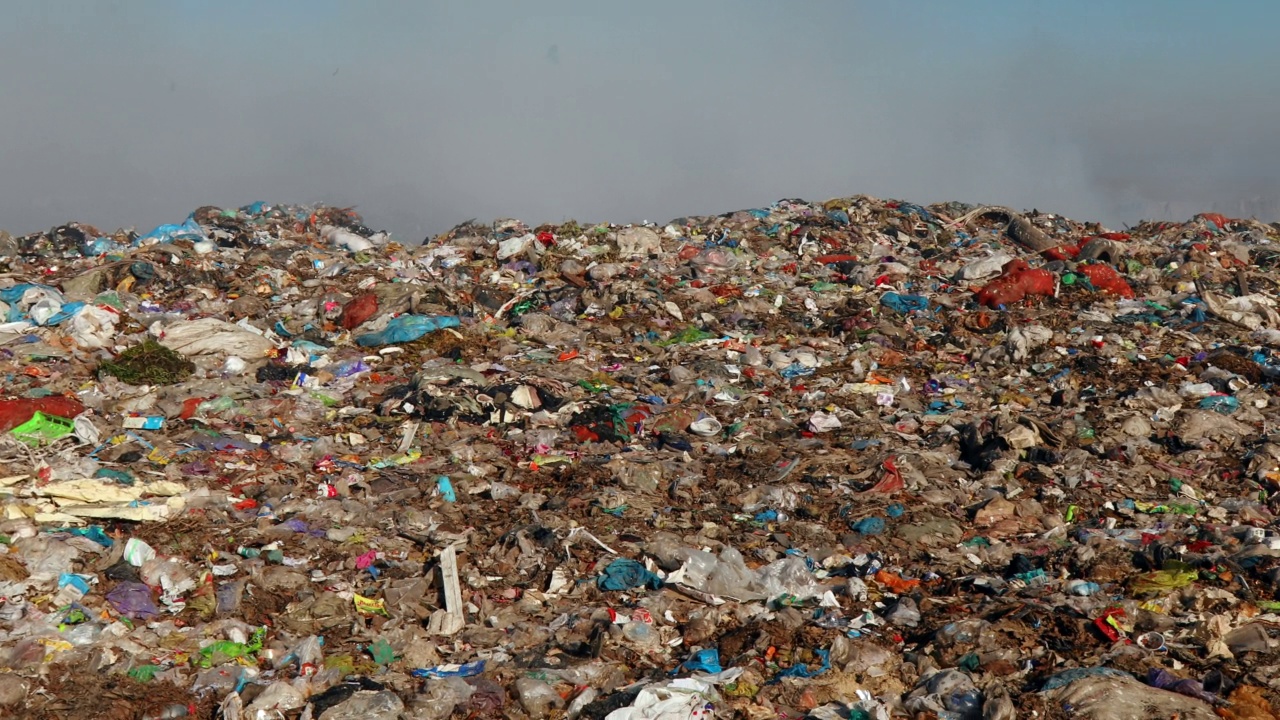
[424,114]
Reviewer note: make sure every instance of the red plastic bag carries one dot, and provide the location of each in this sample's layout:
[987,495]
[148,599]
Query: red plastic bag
[828,259]
[1016,282]
[19,410]
[1106,279]
[358,310]
[1064,252]
[892,480]
[896,583]
[1217,219]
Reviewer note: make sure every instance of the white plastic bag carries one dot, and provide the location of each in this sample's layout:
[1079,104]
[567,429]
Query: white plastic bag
[211,336]
[93,327]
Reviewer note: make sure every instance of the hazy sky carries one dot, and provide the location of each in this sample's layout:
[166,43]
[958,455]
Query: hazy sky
[423,114]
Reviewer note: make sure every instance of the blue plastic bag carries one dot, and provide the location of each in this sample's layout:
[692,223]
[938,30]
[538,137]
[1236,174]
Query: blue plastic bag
[93,532]
[803,671]
[624,574]
[470,669]
[100,246]
[446,489]
[66,313]
[869,526]
[13,295]
[703,661]
[408,328]
[904,304]
[1221,404]
[189,230]
[1066,677]
[795,370]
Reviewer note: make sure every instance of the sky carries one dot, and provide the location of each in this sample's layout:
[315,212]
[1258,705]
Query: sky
[421,115]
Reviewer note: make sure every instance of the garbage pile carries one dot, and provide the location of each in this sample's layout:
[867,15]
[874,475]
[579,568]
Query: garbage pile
[852,459]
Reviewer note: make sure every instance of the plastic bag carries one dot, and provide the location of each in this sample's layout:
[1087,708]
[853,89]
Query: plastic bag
[731,578]
[789,576]
[1116,696]
[134,600]
[1174,576]
[211,336]
[707,661]
[18,411]
[407,328]
[360,309]
[188,230]
[367,705]
[947,691]
[680,700]
[624,574]
[904,303]
[1017,281]
[439,698]
[279,696]
[1105,279]
[345,239]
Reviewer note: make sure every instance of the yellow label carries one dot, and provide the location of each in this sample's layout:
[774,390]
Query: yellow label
[369,606]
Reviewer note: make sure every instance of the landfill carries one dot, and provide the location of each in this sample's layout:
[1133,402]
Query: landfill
[857,459]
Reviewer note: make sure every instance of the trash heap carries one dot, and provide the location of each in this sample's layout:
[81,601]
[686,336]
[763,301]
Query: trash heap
[853,459]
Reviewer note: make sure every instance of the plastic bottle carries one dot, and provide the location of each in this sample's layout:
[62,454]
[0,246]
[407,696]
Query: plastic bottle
[308,655]
[584,698]
[537,698]
[961,632]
